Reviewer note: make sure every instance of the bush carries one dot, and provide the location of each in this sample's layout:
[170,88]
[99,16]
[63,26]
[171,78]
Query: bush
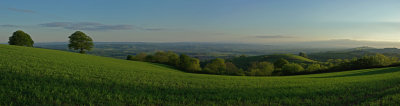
[280,62]
[313,67]
[173,59]
[292,68]
[217,66]
[261,69]
[130,57]
[20,38]
[189,64]
[231,68]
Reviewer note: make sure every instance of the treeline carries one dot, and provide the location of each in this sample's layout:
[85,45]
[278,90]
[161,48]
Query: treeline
[278,68]
[77,41]
[372,61]
[183,62]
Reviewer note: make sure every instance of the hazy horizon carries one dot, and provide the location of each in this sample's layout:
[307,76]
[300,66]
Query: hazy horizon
[237,21]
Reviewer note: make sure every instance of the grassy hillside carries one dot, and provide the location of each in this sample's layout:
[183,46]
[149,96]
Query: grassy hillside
[244,62]
[31,76]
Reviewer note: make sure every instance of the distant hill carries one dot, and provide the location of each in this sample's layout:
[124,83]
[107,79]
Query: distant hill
[342,43]
[354,52]
[203,51]
[243,62]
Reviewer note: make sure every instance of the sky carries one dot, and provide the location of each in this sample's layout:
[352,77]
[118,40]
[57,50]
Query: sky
[245,21]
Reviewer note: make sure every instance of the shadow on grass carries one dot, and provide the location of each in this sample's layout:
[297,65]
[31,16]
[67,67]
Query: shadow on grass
[367,72]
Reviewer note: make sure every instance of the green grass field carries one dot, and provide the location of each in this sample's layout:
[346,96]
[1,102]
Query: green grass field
[30,76]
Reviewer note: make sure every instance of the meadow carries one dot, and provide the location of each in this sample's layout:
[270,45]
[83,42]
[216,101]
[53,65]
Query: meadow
[34,76]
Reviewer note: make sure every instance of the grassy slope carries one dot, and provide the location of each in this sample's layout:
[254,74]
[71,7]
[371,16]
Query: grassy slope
[244,62]
[40,76]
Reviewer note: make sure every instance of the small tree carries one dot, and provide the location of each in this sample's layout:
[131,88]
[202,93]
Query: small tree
[231,68]
[130,57]
[189,64]
[194,65]
[140,57]
[161,57]
[217,66]
[280,62]
[302,54]
[292,68]
[80,41]
[20,38]
[261,68]
[313,67]
[173,59]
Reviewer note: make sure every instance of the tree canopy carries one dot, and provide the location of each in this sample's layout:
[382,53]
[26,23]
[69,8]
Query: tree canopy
[280,62]
[217,66]
[261,69]
[292,68]
[20,38]
[302,54]
[80,41]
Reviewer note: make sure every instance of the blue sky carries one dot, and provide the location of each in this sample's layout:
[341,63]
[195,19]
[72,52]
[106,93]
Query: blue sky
[248,21]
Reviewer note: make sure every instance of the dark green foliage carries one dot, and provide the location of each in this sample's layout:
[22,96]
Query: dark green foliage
[231,69]
[183,62]
[20,38]
[280,62]
[292,68]
[130,57]
[80,41]
[140,57]
[261,69]
[313,67]
[217,66]
[246,61]
[302,54]
[161,57]
[189,64]
[377,60]
[194,65]
[173,58]
[150,58]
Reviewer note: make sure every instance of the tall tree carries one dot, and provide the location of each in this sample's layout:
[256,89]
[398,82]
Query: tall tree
[189,64]
[20,38]
[80,41]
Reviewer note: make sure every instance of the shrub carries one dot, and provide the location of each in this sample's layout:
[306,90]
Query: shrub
[292,68]
[20,38]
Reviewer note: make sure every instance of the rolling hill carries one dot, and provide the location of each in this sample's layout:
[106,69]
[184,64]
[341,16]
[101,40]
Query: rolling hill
[244,62]
[33,76]
[354,53]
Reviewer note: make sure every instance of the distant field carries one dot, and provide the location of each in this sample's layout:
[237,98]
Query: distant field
[30,76]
